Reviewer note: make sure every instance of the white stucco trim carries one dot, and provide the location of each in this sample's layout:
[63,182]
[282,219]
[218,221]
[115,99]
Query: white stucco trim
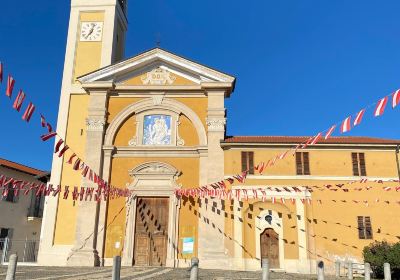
[312,177]
[152,56]
[148,105]
[153,179]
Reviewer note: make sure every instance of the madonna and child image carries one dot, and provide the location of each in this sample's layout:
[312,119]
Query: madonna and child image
[157,130]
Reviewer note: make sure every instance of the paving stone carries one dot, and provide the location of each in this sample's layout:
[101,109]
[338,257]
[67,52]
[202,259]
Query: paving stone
[142,273]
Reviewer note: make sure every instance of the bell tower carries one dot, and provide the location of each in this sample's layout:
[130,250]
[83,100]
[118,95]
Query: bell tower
[96,38]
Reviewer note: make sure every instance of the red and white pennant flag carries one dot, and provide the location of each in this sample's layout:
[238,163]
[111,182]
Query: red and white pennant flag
[346,125]
[380,107]
[10,86]
[395,98]
[330,131]
[1,72]
[359,117]
[316,139]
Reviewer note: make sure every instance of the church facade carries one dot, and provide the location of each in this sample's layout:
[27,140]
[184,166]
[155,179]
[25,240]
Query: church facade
[155,123]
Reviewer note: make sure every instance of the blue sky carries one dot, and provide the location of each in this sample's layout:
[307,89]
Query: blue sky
[300,65]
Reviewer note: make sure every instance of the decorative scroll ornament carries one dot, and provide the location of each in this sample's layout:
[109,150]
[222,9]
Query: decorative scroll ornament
[95,124]
[179,140]
[216,124]
[158,76]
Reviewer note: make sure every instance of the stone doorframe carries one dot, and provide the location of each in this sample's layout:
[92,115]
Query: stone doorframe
[277,225]
[153,179]
[302,265]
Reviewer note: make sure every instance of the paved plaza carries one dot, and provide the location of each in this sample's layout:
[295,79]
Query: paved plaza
[139,273]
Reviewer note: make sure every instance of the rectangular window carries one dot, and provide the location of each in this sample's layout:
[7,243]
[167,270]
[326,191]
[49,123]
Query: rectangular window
[302,163]
[364,227]
[10,197]
[358,161]
[3,236]
[248,162]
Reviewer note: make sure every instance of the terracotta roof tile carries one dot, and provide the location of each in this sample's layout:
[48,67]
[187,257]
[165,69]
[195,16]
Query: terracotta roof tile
[302,139]
[22,168]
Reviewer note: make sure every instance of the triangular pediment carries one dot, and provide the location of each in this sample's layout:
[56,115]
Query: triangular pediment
[157,67]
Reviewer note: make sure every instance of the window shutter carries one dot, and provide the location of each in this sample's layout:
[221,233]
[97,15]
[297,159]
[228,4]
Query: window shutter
[244,161]
[251,162]
[355,164]
[299,169]
[306,164]
[368,228]
[360,226]
[363,171]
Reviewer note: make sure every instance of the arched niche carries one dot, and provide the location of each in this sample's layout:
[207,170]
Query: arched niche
[156,104]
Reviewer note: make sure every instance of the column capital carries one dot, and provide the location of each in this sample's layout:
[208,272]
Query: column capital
[93,124]
[216,124]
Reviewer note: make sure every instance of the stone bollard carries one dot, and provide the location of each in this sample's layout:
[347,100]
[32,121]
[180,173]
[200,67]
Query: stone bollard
[386,271]
[116,269]
[265,269]
[320,270]
[350,270]
[367,271]
[337,268]
[12,267]
[194,269]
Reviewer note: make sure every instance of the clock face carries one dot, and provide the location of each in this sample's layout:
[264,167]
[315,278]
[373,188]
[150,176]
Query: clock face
[91,31]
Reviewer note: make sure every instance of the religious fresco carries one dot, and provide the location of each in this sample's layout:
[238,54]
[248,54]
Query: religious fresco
[157,130]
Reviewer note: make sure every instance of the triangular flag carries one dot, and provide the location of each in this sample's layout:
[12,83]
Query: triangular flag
[330,131]
[359,117]
[1,72]
[316,139]
[28,112]
[346,125]
[396,98]
[10,86]
[380,107]
[19,100]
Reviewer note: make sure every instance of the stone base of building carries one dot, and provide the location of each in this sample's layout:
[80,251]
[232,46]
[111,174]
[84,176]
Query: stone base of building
[83,257]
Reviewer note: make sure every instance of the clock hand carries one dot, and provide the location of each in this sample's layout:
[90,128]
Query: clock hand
[90,32]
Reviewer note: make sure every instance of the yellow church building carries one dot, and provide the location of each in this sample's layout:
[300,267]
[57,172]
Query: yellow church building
[156,122]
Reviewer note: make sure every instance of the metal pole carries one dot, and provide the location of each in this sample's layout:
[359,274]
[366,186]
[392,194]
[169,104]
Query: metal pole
[116,269]
[367,271]
[337,268]
[386,271]
[397,159]
[350,271]
[12,267]
[194,269]
[320,271]
[265,269]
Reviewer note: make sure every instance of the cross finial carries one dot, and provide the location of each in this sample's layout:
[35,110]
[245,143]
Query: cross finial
[158,39]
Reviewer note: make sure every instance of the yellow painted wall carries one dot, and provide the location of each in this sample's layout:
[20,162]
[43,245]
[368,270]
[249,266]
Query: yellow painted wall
[322,162]
[116,216]
[198,104]
[117,104]
[76,137]
[87,54]
[331,226]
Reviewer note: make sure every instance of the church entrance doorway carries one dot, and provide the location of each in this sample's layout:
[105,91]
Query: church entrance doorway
[269,241]
[151,231]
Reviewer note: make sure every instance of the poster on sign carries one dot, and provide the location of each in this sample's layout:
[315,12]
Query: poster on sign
[188,245]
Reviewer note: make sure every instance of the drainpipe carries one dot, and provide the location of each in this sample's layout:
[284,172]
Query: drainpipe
[397,159]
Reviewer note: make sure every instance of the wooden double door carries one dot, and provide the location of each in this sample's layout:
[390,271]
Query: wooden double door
[151,231]
[269,243]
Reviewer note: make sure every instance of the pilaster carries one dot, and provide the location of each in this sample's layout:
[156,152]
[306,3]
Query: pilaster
[211,249]
[84,252]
